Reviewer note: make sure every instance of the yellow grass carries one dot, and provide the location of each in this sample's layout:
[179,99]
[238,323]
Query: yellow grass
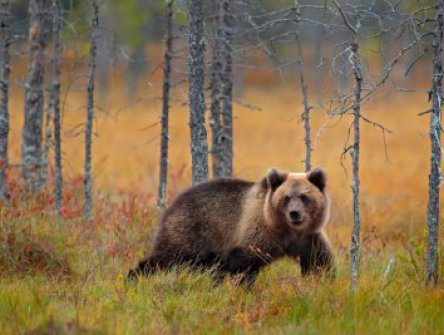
[126,149]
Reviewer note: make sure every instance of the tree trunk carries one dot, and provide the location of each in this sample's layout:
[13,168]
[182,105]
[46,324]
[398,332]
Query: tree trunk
[34,95]
[199,146]
[304,91]
[48,138]
[216,94]
[90,107]
[435,157]
[318,61]
[5,40]
[163,172]
[356,244]
[227,90]
[58,191]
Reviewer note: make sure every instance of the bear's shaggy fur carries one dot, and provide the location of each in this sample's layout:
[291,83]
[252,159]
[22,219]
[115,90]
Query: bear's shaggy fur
[237,226]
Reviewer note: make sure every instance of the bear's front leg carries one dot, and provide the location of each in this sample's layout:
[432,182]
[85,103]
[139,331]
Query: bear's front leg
[315,256]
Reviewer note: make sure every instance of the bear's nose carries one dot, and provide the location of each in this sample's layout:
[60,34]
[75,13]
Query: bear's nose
[295,215]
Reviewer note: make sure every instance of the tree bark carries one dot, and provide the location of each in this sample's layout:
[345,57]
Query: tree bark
[90,107]
[355,60]
[227,90]
[356,243]
[48,138]
[163,171]
[435,177]
[5,41]
[304,91]
[34,95]
[199,146]
[57,27]
[216,94]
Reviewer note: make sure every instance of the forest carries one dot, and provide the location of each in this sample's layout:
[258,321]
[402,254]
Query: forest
[110,109]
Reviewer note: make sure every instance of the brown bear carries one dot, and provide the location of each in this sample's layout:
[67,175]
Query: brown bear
[236,226]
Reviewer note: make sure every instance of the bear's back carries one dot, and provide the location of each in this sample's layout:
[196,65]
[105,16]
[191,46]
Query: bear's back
[206,215]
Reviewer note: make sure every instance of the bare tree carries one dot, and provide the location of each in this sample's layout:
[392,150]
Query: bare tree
[355,60]
[44,160]
[57,26]
[199,146]
[304,90]
[356,243]
[5,40]
[227,89]
[34,94]
[216,94]
[90,107]
[435,178]
[163,171]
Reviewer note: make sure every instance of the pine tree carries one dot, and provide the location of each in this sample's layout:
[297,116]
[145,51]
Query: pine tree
[34,94]
[5,40]
[199,146]
[163,171]
[90,108]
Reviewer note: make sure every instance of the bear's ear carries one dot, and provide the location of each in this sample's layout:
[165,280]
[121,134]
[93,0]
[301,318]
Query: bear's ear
[318,177]
[274,179]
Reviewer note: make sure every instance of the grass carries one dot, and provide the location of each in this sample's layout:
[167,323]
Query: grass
[65,276]
[68,277]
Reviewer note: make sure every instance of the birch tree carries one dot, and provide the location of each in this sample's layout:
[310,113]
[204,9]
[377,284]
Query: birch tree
[196,96]
[5,40]
[34,94]
[90,108]
[435,177]
[163,171]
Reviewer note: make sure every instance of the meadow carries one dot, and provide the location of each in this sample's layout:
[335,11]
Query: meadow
[66,276]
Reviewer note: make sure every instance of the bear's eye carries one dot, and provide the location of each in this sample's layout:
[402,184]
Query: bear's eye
[287,199]
[305,200]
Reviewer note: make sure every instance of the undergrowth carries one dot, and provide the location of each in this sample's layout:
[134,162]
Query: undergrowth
[62,275]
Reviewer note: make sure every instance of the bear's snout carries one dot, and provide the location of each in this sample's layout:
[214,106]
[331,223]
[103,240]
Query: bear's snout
[295,215]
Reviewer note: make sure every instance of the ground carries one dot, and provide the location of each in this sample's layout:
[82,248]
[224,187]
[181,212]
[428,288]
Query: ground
[67,275]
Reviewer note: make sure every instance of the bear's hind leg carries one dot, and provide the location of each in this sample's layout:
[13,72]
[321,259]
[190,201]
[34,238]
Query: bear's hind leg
[209,262]
[245,262]
[147,266]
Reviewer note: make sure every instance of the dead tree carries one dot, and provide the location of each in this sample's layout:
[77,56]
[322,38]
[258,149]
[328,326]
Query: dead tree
[216,93]
[90,108]
[44,160]
[356,243]
[227,90]
[435,178]
[34,94]
[163,171]
[355,60]
[304,90]
[5,41]
[57,27]
[196,96]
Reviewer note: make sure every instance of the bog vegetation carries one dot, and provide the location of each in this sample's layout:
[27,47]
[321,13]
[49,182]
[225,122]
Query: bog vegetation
[63,273]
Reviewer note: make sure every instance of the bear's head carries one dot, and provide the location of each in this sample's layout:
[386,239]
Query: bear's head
[297,202]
